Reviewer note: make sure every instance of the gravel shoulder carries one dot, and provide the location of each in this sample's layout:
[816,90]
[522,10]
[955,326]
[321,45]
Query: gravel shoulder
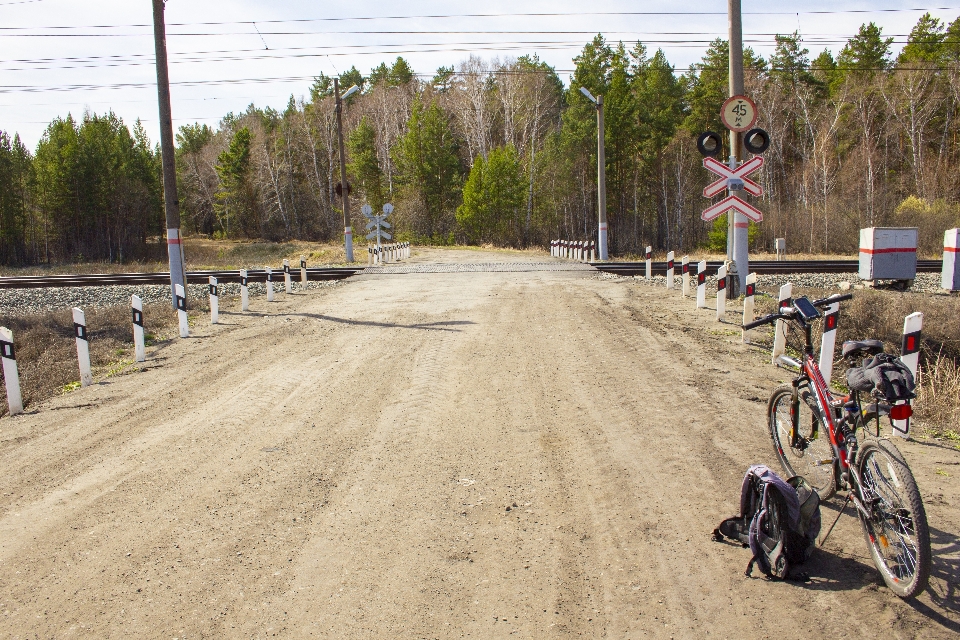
[532,454]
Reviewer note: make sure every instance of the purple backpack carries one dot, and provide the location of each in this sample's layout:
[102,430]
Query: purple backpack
[779,520]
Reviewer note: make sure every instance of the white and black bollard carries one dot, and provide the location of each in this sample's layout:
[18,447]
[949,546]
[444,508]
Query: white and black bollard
[593,251]
[721,292]
[182,311]
[244,291]
[780,329]
[648,255]
[369,256]
[701,284]
[269,284]
[214,301]
[83,347]
[11,374]
[670,270]
[828,343]
[685,275]
[748,302]
[139,349]
[287,283]
[303,271]
[553,248]
[910,355]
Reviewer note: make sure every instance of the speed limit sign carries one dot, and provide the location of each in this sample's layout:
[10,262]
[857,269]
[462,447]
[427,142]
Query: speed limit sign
[739,113]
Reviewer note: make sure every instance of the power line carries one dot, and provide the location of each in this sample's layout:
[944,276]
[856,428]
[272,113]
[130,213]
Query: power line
[545,14]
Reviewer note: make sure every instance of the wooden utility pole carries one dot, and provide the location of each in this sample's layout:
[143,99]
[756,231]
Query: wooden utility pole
[737,248]
[171,201]
[347,229]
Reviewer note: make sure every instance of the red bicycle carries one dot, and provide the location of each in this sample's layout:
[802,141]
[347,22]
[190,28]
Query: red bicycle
[814,432]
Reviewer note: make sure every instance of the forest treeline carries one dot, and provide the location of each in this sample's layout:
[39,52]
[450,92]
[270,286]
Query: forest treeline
[502,152]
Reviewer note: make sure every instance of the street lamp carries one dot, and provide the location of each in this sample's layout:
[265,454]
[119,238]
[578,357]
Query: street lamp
[344,190]
[601,172]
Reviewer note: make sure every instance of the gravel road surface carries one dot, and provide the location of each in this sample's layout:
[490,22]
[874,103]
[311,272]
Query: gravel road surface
[432,455]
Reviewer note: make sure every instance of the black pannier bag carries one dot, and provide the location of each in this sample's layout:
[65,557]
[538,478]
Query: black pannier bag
[884,376]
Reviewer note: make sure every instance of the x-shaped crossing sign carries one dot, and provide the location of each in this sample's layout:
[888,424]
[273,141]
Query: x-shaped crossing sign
[729,177]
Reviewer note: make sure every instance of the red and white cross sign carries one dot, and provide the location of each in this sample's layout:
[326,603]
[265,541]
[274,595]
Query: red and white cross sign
[726,173]
[731,203]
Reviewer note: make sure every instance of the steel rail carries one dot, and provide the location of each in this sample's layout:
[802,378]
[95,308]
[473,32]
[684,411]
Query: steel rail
[163,278]
[761,267]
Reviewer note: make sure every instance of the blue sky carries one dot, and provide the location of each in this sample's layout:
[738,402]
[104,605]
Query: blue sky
[263,56]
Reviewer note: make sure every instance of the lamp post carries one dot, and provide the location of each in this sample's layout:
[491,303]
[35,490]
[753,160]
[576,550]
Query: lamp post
[601,173]
[344,191]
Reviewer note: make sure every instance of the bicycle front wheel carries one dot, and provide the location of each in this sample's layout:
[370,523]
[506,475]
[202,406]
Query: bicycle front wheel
[809,454]
[896,531]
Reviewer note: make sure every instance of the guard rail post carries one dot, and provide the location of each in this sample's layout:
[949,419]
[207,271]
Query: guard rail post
[670,270]
[828,342]
[214,301]
[287,285]
[83,347]
[139,349]
[910,355]
[11,374]
[648,256]
[182,311]
[303,271]
[244,291]
[748,306]
[701,284]
[780,329]
[269,284]
[721,292]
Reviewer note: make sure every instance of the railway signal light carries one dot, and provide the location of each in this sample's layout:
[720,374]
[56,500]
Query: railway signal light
[756,141]
[709,144]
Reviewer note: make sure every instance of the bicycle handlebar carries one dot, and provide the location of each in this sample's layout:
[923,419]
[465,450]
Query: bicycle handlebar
[837,297]
[764,320]
[788,312]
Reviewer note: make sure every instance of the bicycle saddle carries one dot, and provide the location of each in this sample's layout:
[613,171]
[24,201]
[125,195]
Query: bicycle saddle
[869,347]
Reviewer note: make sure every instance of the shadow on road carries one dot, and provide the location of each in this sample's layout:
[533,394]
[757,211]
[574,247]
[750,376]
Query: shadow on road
[427,326]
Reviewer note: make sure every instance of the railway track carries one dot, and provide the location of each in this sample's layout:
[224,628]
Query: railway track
[339,273]
[764,267]
[193,277]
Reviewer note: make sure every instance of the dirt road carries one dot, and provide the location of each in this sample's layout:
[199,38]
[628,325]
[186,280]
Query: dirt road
[446,455]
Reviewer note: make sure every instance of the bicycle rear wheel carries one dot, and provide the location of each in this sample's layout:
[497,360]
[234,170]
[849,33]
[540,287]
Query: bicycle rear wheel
[897,532]
[810,455]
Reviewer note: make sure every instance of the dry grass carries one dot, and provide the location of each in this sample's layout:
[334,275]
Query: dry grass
[203,253]
[47,354]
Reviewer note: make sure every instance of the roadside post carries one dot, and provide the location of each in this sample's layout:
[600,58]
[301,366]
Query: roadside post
[702,284]
[780,329]
[670,270]
[139,348]
[950,274]
[182,312]
[214,301]
[648,257]
[721,292]
[287,284]
[11,374]
[910,355]
[748,302]
[685,275]
[270,284]
[244,291]
[303,271]
[828,343]
[83,347]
